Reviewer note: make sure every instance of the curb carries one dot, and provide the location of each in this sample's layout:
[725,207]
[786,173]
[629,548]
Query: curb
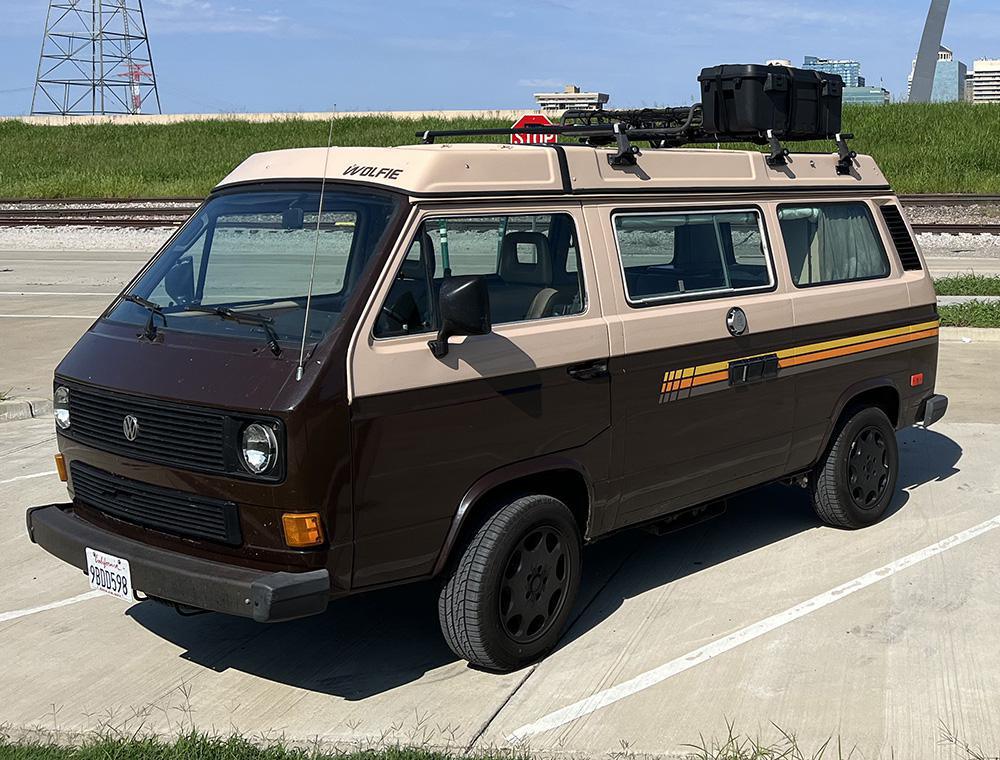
[970,334]
[24,409]
[958,300]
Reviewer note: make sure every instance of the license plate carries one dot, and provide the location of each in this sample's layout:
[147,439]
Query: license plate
[109,574]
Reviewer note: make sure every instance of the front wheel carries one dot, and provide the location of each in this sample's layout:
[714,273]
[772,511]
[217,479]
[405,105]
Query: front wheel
[508,598]
[855,481]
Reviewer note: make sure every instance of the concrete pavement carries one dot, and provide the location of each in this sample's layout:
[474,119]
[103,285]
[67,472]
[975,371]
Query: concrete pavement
[882,667]
[758,616]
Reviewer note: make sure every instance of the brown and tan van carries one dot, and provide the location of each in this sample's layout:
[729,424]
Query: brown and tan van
[360,367]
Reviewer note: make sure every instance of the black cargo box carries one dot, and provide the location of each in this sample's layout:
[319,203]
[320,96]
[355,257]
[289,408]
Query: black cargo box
[750,99]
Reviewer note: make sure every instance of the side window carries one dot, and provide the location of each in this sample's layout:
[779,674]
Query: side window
[670,255]
[530,264]
[832,242]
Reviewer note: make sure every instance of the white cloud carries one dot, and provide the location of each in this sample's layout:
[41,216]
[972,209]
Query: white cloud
[210,17]
[540,83]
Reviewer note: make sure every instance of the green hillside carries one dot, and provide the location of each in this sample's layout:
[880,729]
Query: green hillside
[940,148]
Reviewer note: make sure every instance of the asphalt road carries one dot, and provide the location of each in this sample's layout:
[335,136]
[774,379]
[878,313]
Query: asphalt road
[759,616]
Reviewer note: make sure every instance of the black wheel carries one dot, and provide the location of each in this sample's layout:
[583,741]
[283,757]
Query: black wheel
[508,598]
[855,481]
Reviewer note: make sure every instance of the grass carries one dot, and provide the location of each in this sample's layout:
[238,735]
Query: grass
[196,746]
[968,285]
[199,746]
[973,314]
[939,148]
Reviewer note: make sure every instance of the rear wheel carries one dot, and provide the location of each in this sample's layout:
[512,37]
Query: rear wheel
[855,481]
[508,598]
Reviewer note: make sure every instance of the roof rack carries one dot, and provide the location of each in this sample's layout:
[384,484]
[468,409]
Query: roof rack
[660,127]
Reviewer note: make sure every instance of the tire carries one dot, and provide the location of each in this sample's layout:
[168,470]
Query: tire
[509,595]
[855,481]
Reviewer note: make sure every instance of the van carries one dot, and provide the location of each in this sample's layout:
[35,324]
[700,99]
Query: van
[354,368]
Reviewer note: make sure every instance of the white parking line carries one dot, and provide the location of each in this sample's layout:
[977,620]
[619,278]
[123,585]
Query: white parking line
[15,614]
[652,677]
[27,477]
[46,316]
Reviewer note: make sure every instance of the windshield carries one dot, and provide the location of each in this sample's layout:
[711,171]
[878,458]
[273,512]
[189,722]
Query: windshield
[249,254]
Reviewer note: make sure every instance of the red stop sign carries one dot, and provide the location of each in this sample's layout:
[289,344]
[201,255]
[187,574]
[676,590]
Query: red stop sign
[532,119]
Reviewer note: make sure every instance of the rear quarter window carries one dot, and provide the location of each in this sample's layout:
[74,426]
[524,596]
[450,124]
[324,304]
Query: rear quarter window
[829,243]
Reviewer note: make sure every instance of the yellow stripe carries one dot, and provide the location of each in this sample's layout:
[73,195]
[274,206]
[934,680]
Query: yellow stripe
[704,374]
[856,348]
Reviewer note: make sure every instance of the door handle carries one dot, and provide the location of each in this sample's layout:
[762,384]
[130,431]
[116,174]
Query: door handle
[589,371]
[758,369]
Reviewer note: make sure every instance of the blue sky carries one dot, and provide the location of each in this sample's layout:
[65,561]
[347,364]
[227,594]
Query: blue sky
[301,55]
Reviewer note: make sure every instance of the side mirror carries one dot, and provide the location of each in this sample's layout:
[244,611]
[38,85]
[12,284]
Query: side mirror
[179,281]
[464,309]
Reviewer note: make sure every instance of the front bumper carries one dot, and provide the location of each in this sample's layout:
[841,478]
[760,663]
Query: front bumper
[189,581]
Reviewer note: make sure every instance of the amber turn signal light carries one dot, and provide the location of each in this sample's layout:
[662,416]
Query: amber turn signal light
[302,529]
[61,467]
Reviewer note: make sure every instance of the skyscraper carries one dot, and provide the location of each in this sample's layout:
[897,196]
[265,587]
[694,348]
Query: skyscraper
[849,71]
[986,81]
[949,78]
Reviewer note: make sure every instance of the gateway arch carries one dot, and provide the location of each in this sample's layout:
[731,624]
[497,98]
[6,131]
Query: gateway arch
[930,42]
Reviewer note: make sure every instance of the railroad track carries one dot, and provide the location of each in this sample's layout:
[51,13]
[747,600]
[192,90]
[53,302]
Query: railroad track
[957,229]
[171,212]
[97,212]
[950,200]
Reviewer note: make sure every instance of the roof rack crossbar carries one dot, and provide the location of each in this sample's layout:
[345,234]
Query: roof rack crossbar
[660,127]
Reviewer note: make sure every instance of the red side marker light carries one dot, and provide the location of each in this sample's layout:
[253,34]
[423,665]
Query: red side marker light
[917,380]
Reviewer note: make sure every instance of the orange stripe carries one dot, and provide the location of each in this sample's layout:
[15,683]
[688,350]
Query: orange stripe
[673,380]
[833,353]
[714,377]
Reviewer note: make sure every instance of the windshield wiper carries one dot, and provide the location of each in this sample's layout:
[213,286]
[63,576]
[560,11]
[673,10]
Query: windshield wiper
[154,309]
[243,318]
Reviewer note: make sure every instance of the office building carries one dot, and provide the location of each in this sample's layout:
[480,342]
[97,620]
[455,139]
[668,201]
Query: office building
[849,71]
[871,96]
[570,97]
[949,78]
[986,81]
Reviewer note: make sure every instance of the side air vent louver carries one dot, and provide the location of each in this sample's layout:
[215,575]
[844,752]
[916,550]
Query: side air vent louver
[901,238]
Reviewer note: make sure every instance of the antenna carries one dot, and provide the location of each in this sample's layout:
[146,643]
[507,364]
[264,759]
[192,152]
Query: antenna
[312,271]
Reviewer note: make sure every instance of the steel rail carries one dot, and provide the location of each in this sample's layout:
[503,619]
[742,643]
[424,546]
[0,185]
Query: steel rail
[957,229]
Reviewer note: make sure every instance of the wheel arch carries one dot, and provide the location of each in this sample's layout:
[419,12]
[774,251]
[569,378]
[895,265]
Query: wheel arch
[880,392]
[558,476]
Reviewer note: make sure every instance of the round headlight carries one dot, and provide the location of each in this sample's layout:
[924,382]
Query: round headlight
[60,406]
[260,448]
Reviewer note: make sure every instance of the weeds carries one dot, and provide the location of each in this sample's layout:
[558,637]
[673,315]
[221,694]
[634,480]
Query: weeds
[950,737]
[968,285]
[195,745]
[937,147]
[972,314]
[740,747]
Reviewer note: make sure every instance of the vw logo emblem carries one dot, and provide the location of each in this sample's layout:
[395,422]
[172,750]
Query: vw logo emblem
[130,427]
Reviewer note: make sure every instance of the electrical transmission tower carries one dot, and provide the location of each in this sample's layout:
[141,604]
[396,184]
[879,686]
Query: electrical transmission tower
[95,59]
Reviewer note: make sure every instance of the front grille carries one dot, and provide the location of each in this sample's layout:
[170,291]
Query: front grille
[162,509]
[167,433]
